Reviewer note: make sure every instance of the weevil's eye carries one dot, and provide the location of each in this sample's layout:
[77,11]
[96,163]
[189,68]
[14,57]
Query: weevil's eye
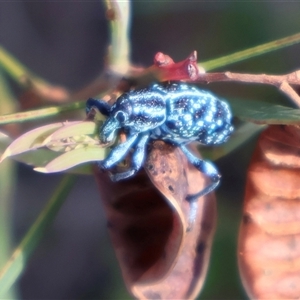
[121,116]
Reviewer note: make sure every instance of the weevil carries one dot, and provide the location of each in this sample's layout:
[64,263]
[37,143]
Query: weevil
[177,113]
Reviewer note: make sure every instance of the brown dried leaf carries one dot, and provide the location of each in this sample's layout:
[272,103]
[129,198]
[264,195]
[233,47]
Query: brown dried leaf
[148,221]
[269,242]
[144,230]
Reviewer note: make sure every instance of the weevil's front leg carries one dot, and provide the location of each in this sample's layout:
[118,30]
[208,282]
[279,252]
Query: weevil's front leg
[117,153]
[209,170]
[137,159]
[101,105]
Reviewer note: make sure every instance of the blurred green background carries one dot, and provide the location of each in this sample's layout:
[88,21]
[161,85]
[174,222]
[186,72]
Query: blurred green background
[65,43]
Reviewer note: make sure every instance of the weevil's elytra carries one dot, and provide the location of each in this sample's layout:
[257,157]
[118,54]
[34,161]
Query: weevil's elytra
[194,115]
[176,113]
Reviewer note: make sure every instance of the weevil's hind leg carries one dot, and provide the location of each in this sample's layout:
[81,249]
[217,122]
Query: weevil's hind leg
[101,105]
[137,159]
[209,170]
[206,168]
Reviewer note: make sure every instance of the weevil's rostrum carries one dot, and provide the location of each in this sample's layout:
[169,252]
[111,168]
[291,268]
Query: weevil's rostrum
[176,113]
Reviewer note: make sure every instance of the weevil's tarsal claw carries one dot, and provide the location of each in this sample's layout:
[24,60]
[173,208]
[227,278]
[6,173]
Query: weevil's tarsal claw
[101,165]
[123,175]
[117,176]
[215,182]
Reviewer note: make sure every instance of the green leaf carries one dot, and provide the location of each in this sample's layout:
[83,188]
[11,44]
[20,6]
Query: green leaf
[73,135]
[57,135]
[40,147]
[7,185]
[72,129]
[41,157]
[30,140]
[36,158]
[5,140]
[18,261]
[265,113]
[40,113]
[251,52]
[11,65]
[240,135]
[73,158]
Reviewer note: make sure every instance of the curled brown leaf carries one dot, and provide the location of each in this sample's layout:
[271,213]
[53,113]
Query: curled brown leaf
[147,219]
[269,242]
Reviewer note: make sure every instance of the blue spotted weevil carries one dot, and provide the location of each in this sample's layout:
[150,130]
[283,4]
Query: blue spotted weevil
[176,113]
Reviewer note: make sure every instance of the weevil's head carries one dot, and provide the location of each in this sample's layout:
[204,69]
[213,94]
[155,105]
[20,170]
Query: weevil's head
[119,116]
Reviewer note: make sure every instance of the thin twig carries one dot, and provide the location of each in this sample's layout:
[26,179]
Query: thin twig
[282,82]
[291,78]
[290,92]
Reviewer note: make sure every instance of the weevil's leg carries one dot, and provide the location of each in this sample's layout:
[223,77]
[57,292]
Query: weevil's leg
[137,159]
[101,105]
[117,153]
[209,170]
[204,167]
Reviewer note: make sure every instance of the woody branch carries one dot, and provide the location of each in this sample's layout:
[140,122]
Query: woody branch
[282,82]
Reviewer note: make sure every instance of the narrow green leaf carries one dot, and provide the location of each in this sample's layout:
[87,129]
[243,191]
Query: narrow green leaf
[22,75]
[264,113]
[250,52]
[40,113]
[73,129]
[39,147]
[7,184]
[11,65]
[36,158]
[18,261]
[73,158]
[30,140]
[239,136]
[41,157]
[5,140]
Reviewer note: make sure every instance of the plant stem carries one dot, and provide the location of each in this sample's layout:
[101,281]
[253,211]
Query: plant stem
[118,13]
[282,82]
[7,186]
[16,264]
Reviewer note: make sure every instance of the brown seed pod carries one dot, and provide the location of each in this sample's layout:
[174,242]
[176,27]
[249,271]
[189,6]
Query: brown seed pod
[269,241]
[147,220]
